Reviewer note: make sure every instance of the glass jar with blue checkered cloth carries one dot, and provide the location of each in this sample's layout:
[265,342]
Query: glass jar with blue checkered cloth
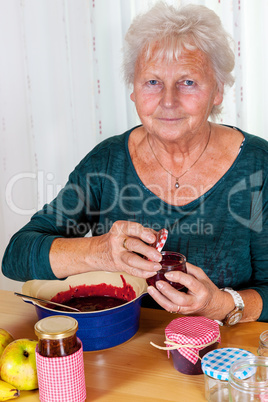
[216,365]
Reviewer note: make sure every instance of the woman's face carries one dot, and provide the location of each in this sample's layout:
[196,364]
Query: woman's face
[175,98]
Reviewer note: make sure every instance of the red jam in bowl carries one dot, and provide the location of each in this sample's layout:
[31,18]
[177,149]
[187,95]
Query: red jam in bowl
[95,297]
[91,303]
[171,261]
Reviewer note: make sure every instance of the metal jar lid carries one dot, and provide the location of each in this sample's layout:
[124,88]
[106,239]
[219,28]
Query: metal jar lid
[56,327]
[216,364]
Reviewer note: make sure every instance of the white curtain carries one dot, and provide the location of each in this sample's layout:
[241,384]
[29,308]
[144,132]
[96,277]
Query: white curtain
[61,90]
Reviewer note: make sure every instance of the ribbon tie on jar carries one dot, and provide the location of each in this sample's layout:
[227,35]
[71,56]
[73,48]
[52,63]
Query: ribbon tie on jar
[173,345]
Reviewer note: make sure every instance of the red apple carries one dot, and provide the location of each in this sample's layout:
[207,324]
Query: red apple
[18,365]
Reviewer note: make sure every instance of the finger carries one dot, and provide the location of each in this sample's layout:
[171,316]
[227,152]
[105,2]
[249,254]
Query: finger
[192,280]
[163,301]
[133,229]
[195,271]
[172,294]
[137,272]
[138,264]
[138,246]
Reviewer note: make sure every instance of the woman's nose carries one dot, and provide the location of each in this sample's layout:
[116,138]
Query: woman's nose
[169,98]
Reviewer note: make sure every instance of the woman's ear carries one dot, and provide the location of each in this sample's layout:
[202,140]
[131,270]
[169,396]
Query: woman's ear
[219,95]
[132,97]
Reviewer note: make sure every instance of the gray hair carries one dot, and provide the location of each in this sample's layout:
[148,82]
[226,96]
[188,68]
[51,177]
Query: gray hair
[192,26]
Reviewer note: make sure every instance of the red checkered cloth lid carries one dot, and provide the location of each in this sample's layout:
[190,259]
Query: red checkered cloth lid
[189,332]
[61,379]
[161,239]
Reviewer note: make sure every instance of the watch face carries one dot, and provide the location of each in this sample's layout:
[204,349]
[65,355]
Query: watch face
[235,318]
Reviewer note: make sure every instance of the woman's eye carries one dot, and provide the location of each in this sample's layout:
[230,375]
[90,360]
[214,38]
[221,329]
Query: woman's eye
[153,82]
[189,83]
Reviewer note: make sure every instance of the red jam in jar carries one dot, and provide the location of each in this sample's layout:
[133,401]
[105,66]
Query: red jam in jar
[57,336]
[171,261]
[195,337]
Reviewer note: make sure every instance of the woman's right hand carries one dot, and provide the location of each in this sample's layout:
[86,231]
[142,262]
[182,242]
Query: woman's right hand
[124,247]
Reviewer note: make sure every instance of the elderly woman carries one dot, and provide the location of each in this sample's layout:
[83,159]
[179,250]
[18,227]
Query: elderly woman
[206,183]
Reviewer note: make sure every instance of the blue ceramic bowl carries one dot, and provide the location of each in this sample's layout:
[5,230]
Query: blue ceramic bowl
[96,329]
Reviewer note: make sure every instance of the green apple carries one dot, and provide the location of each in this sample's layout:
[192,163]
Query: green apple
[5,339]
[18,364]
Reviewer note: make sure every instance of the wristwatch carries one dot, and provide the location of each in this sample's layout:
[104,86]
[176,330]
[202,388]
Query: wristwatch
[236,314]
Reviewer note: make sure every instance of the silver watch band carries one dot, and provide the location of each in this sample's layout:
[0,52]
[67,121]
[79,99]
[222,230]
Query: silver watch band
[239,304]
[237,298]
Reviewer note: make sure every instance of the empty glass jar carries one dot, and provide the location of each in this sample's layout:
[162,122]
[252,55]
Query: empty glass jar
[263,346]
[248,380]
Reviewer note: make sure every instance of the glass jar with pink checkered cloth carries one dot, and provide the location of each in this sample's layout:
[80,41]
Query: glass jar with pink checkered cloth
[59,360]
[188,339]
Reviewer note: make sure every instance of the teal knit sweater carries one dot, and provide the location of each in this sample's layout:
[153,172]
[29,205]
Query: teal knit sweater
[225,231]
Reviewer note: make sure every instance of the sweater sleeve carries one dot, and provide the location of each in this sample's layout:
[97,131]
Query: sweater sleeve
[73,213]
[68,215]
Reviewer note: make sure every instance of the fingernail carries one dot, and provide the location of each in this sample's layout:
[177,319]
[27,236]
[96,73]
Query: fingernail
[149,274]
[151,238]
[169,275]
[150,290]
[159,285]
[156,257]
[157,267]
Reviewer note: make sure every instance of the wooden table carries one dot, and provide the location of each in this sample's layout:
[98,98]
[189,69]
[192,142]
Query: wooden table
[134,371]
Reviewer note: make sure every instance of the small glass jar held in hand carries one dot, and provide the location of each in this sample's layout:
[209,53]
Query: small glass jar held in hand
[171,261]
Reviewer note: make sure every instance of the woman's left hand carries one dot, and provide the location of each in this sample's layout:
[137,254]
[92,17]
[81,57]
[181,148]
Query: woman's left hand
[202,298]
